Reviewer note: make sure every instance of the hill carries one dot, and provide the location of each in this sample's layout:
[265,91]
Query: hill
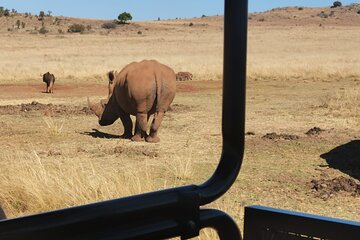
[288,16]
[301,16]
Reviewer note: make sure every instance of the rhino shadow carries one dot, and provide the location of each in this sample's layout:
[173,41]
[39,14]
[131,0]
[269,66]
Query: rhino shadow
[98,134]
[345,158]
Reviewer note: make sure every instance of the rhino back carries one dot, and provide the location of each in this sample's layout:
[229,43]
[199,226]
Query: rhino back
[138,85]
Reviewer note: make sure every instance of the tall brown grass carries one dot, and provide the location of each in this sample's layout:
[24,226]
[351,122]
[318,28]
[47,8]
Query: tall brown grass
[303,52]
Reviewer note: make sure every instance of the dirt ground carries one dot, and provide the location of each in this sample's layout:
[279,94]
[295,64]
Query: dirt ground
[300,146]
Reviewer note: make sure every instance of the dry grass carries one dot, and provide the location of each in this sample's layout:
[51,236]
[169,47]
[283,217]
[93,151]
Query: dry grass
[308,53]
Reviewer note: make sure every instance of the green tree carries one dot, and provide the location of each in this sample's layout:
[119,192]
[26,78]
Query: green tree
[337,4]
[124,17]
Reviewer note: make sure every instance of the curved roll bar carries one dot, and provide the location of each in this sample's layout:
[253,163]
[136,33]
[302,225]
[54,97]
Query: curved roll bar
[171,212]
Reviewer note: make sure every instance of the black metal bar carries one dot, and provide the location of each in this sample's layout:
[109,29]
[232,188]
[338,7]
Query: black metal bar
[156,215]
[259,219]
[233,113]
[224,225]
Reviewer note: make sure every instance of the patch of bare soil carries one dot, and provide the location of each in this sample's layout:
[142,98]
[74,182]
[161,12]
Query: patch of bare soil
[314,131]
[327,188]
[176,107]
[250,133]
[46,109]
[139,150]
[275,136]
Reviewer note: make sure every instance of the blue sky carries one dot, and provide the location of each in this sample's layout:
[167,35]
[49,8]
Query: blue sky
[147,9]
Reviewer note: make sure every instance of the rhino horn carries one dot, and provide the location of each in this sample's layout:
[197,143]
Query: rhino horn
[96,108]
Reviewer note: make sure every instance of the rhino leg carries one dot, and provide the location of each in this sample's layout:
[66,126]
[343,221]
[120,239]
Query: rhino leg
[153,138]
[51,87]
[140,128]
[128,125]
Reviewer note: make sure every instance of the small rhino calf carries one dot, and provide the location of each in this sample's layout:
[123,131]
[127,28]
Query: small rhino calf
[49,79]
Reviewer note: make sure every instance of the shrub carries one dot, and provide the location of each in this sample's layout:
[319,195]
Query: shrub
[323,15]
[75,28]
[41,16]
[300,8]
[109,25]
[191,24]
[139,32]
[124,17]
[4,12]
[23,24]
[18,23]
[337,4]
[43,30]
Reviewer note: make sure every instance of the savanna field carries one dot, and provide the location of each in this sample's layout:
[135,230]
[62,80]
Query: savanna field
[302,116]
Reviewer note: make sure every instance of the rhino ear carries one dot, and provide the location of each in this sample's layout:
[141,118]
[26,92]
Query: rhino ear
[111,76]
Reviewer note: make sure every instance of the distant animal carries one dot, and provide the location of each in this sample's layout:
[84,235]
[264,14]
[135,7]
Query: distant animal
[49,79]
[184,76]
[2,214]
[139,89]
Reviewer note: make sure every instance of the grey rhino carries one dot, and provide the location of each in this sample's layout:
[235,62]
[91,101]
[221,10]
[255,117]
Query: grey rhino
[139,89]
[49,79]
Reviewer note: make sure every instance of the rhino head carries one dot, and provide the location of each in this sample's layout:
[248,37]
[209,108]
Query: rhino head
[105,110]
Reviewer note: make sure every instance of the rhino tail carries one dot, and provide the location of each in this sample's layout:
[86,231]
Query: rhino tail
[158,93]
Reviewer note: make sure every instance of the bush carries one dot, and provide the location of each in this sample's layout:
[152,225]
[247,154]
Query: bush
[18,23]
[124,17]
[109,25]
[75,28]
[41,15]
[323,15]
[5,12]
[191,24]
[337,4]
[43,30]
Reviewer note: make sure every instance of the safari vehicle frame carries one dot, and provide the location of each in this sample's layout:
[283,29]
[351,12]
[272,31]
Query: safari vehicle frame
[174,212]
